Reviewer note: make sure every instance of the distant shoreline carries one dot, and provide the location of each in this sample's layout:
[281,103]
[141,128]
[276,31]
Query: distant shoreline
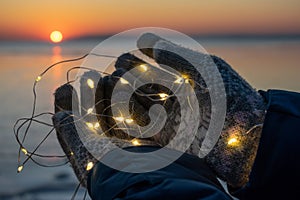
[242,37]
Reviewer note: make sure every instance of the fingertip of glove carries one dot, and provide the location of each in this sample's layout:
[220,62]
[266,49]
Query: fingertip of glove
[127,61]
[146,43]
[63,97]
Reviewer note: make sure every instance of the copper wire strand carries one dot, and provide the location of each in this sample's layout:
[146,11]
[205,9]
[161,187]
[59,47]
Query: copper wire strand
[26,122]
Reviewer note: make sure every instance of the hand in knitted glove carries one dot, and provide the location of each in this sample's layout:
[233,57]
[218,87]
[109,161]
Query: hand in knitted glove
[233,155]
[77,129]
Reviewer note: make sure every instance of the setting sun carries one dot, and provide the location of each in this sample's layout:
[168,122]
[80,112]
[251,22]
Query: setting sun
[56,36]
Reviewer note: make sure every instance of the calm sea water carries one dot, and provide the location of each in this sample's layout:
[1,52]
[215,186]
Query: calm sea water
[265,64]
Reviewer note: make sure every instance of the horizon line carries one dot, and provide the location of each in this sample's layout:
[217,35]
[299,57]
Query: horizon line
[197,36]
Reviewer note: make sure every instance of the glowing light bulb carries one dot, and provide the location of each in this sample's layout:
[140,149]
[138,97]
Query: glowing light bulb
[183,79]
[120,119]
[179,80]
[89,166]
[163,96]
[124,81]
[128,120]
[233,141]
[38,78]
[20,168]
[186,78]
[143,67]
[90,125]
[24,151]
[90,110]
[135,142]
[96,125]
[71,153]
[90,83]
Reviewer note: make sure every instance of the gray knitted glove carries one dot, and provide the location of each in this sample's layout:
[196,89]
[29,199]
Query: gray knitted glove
[233,155]
[231,158]
[77,128]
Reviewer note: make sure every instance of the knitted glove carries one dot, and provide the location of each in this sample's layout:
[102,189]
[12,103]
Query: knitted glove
[233,155]
[78,129]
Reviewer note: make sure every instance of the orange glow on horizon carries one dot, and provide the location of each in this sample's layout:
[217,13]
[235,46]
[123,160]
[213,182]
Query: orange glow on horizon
[35,20]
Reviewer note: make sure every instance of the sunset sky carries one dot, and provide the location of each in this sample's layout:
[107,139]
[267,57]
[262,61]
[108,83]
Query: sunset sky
[34,20]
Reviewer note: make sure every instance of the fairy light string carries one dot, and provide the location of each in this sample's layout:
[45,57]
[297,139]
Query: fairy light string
[26,123]
[39,78]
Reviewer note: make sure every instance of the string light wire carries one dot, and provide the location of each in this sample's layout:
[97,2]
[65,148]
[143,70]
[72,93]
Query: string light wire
[27,122]
[32,117]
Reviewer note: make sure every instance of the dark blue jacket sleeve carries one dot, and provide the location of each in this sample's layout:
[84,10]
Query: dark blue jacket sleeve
[276,170]
[275,173]
[186,178]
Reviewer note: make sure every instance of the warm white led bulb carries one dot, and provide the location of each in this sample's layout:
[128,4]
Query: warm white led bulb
[179,80]
[89,166]
[20,168]
[183,79]
[128,120]
[38,78]
[120,119]
[90,83]
[163,96]
[24,151]
[233,141]
[124,81]
[96,125]
[89,111]
[90,125]
[143,67]
[135,142]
